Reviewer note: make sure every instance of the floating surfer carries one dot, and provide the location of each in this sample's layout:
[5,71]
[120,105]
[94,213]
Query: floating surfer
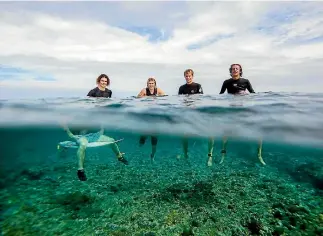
[84,141]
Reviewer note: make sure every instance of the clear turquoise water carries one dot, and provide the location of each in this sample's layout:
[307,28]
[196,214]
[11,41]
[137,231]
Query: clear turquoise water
[290,125]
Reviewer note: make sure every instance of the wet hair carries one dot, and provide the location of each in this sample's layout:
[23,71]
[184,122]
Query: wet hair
[151,79]
[188,71]
[230,69]
[103,76]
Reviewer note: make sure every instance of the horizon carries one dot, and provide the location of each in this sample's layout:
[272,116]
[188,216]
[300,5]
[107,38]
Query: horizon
[59,48]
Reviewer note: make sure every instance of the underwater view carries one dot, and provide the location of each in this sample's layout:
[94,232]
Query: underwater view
[169,165]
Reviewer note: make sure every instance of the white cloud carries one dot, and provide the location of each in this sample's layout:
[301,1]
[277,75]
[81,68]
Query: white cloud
[75,50]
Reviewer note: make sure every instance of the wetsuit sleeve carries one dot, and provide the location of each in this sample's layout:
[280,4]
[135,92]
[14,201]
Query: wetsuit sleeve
[224,87]
[180,91]
[110,95]
[200,89]
[249,87]
[91,93]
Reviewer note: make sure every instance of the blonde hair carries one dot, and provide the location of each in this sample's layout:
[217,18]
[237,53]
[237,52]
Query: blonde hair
[151,79]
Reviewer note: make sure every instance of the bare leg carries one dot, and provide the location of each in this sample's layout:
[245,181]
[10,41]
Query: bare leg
[81,152]
[259,152]
[153,151]
[210,151]
[114,147]
[81,157]
[154,141]
[224,148]
[185,147]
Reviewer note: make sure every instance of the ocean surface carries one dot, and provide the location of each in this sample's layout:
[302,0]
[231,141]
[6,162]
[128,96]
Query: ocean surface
[40,193]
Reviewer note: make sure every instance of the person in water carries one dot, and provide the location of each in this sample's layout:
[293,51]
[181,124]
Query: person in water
[101,90]
[190,88]
[84,139]
[236,84]
[150,90]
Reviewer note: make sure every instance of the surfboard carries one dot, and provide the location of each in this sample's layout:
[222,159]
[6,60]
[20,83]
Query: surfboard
[72,144]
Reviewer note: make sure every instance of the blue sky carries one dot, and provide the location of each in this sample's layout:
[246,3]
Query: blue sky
[59,48]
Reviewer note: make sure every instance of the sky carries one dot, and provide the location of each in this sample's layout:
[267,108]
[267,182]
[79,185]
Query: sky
[58,49]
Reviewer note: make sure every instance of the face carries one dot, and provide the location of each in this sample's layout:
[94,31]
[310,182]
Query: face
[235,70]
[103,82]
[151,84]
[189,77]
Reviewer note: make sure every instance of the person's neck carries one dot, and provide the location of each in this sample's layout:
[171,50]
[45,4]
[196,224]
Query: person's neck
[189,83]
[101,88]
[236,77]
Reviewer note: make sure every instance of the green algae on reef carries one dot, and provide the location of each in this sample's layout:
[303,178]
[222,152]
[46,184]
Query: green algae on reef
[155,200]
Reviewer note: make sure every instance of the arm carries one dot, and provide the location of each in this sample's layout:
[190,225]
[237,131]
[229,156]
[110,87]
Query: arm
[180,91]
[224,87]
[249,87]
[91,93]
[160,92]
[110,94]
[69,133]
[200,89]
[142,93]
[101,130]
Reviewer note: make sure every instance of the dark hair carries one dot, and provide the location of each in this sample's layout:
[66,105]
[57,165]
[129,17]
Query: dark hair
[103,76]
[230,69]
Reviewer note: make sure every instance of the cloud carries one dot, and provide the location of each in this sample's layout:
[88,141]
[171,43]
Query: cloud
[68,44]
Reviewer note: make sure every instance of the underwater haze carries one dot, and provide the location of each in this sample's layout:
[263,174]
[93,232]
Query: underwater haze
[40,193]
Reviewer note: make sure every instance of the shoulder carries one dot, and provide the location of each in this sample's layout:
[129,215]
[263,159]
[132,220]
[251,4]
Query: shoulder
[108,91]
[93,90]
[197,84]
[245,80]
[159,90]
[183,86]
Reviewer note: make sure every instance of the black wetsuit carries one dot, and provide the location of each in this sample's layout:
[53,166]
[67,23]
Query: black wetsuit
[142,139]
[193,88]
[151,94]
[96,92]
[235,86]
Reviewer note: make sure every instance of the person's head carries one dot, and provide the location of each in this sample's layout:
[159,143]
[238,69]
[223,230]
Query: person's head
[189,74]
[103,81]
[235,70]
[151,83]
